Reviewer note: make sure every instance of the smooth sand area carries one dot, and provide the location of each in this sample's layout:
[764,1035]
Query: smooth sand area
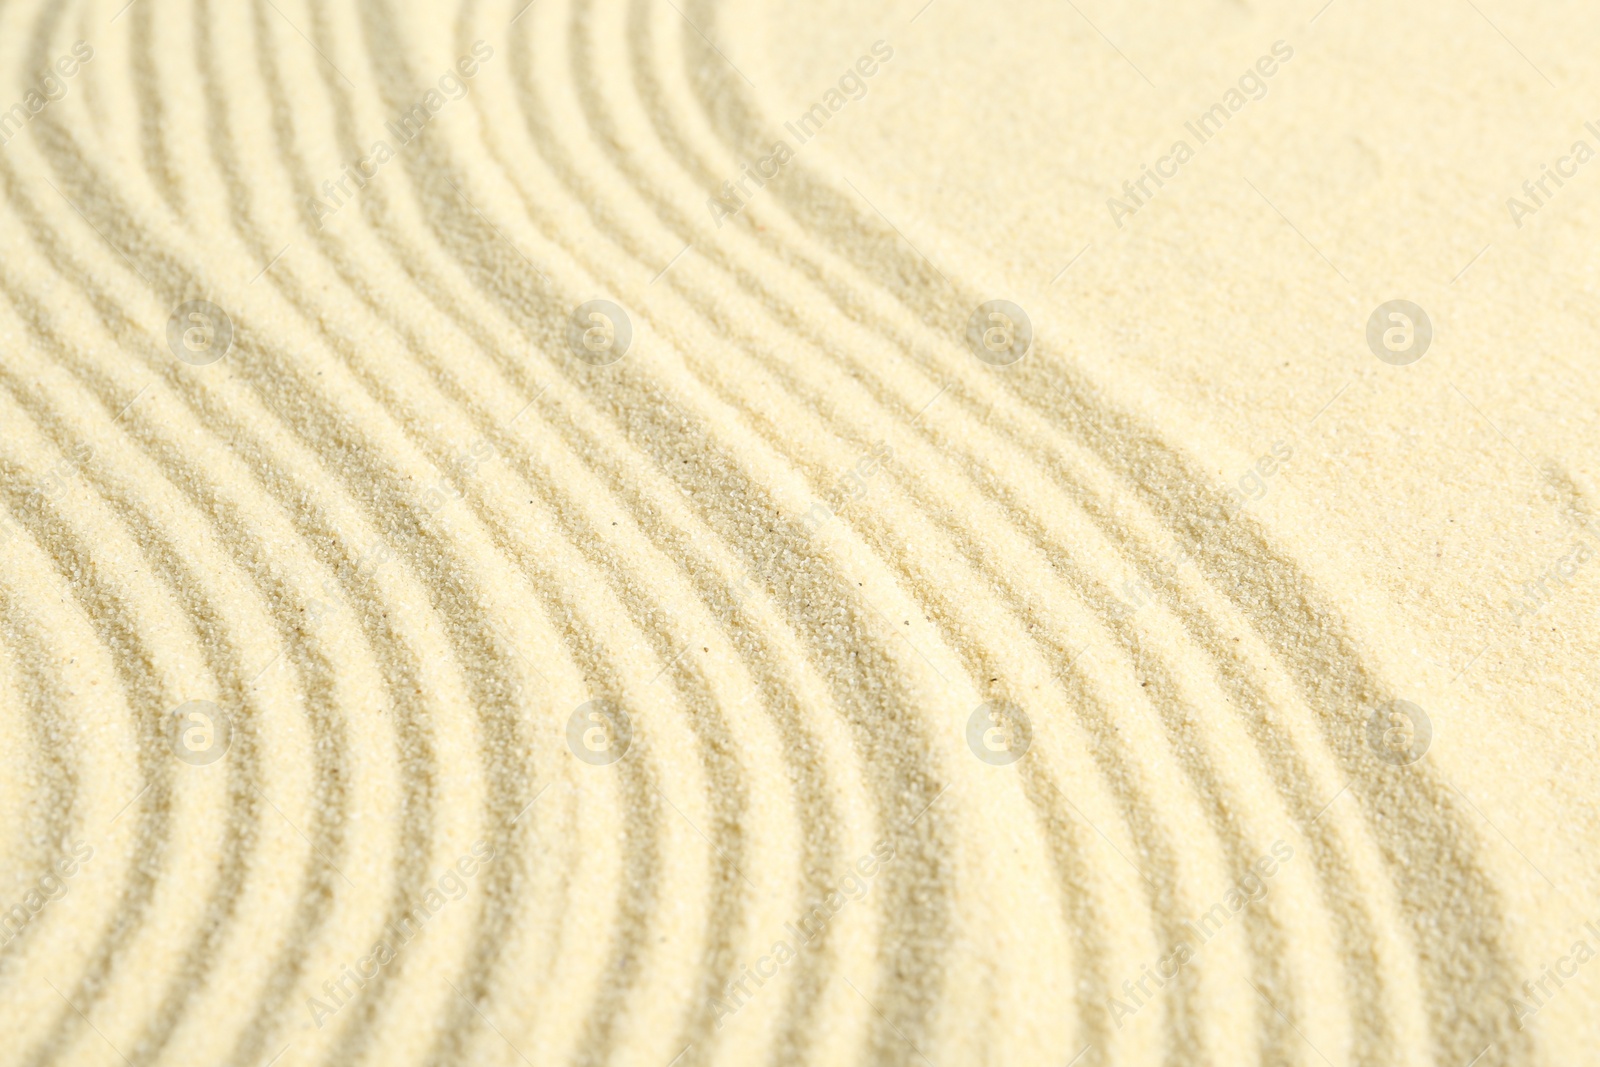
[667,533]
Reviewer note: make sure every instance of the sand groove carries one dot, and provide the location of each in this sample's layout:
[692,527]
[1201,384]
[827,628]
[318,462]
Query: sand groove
[400,533]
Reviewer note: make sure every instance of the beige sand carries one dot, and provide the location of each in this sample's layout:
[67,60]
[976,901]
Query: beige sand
[763,666]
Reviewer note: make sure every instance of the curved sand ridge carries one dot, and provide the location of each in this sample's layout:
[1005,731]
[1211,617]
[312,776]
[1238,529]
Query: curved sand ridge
[413,553]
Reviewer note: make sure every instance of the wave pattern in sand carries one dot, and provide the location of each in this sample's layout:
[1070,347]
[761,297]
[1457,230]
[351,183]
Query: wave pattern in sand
[390,679]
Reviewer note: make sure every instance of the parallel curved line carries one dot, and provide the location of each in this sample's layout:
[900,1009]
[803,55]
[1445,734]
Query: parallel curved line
[632,535]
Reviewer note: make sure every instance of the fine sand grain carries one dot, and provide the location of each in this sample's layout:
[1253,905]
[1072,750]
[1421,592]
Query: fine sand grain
[677,532]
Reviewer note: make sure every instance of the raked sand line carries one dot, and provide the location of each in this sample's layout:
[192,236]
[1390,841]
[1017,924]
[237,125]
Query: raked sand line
[1076,389]
[398,635]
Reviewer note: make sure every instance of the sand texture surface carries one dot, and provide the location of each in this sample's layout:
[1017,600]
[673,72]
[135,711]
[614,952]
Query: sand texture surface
[671,533]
